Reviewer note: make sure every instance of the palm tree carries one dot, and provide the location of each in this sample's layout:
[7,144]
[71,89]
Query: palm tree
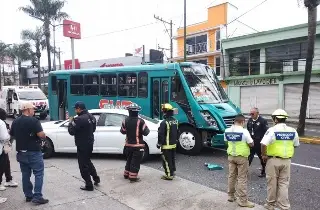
[20,53]
[311,5]
[49,12]
[3,48]
[36,38]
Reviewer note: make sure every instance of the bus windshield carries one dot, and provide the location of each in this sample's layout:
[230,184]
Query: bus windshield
[204,84]
[32,95]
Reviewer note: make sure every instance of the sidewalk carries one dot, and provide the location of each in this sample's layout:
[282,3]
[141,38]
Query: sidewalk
[291,120]
[62,183]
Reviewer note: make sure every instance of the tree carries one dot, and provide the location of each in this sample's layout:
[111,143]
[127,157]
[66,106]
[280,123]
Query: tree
[49,12]
[311,5]
[20,53]
[37,39]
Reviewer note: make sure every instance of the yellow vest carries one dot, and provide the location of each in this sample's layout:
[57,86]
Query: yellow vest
[282,145]
[236,145]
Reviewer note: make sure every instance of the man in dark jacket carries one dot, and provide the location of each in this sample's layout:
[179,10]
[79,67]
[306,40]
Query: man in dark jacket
[82,128]
[167,141]
[257,127]
[134,128]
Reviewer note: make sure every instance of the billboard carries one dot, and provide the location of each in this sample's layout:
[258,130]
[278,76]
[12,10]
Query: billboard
[68,64]
[71,29]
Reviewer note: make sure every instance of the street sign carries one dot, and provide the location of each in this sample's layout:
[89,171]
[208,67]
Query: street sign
[71,29]
[68,64]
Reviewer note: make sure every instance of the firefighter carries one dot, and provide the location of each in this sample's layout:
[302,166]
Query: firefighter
[277,147]
[167,139]
[134,128]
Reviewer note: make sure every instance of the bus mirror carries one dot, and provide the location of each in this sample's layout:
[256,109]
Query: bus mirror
[175,111]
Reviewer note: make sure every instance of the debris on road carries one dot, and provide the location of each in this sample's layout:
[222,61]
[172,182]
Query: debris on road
[213,166]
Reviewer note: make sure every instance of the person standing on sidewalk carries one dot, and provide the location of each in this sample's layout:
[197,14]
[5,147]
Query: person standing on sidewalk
[134,128]
[29,135]
[277,148]
[238,140]
[167,141]
[257,127]
[82,128]
[5,161]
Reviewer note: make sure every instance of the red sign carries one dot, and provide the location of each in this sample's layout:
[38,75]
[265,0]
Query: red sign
[112,65]
[71,29]
[110,104]
[68,64]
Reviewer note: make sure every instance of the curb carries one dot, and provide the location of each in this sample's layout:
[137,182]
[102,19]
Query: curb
[310,140]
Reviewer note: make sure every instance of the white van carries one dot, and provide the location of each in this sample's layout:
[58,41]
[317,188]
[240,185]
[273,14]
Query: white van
[11,98]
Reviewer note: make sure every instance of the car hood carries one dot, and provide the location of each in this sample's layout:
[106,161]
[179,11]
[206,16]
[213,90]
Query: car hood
[51,124]
[224,109]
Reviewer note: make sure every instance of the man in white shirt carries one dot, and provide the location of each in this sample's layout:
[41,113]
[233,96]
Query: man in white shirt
[4,139]
[277,148]
[239,143]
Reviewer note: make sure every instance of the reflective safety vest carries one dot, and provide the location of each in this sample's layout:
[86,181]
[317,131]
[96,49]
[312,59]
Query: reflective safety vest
[282,145]
[236,145]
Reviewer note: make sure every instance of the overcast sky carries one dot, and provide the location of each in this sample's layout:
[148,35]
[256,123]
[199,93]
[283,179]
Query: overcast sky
[100,17]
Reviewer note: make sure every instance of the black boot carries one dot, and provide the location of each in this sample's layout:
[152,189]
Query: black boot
[96,180]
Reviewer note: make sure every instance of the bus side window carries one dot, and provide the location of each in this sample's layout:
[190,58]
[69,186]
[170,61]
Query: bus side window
[177,91]
[143,85]
[127,84]
[91,84]
[108,85]
[76,84]
[54,85]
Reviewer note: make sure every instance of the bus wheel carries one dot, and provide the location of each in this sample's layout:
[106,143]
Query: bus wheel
[189,141]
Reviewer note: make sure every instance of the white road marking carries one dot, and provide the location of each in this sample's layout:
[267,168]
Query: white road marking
[295,164]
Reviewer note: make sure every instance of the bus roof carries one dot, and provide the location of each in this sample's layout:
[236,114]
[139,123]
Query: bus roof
[146,67]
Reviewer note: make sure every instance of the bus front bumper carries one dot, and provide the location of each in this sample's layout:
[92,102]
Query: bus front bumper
[217,140]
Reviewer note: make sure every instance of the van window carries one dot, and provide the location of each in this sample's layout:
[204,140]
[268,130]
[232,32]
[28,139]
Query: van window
[76,84]
[108,84]
[91,85]
[127,84]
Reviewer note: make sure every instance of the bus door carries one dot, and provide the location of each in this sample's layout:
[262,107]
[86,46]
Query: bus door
[62,85]
[159,95]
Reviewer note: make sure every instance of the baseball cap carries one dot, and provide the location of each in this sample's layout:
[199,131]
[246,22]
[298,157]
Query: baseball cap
[27,105]
[79,105]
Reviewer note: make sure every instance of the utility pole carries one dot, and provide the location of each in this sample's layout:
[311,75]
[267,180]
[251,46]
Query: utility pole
[185,31]
[143,55]
[171,35]
[59,53]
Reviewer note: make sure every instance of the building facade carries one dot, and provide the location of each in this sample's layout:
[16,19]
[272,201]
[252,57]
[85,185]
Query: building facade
[266,70]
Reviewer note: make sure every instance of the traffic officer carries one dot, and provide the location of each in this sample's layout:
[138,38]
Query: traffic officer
[239,143]
[277,148]
[167,141]
[134,128]
[82,128]
[257,126]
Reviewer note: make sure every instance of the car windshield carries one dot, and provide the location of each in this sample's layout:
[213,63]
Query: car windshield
[32,95]
[204,84]
[149,119]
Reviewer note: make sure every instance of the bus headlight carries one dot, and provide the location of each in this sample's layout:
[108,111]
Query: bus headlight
[208,118]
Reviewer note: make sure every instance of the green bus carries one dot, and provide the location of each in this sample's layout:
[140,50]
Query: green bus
[201,104]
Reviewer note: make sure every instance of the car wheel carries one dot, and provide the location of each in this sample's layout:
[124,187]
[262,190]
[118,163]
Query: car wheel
[189,142]
[48,148]
[43,117]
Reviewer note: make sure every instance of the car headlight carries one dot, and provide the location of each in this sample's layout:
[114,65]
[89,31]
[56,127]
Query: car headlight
[208,118]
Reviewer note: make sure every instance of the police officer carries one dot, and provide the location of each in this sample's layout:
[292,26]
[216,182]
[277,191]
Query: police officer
[82,128]
[167,139]
[238,140]
[257,126]
[277,148]
[134,128]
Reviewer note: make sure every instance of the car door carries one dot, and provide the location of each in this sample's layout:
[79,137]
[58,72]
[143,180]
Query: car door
[108,138]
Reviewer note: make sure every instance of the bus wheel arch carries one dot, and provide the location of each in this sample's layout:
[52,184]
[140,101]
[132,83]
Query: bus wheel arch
[189,140]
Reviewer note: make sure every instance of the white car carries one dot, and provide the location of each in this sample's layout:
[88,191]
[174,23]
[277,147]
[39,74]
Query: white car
[108,138]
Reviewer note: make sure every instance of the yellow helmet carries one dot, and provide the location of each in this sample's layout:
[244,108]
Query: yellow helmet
[166,107]
[280,113]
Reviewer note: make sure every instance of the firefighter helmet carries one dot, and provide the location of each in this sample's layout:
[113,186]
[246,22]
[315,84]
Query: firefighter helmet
[280,113]
[166,107]
[133,107]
